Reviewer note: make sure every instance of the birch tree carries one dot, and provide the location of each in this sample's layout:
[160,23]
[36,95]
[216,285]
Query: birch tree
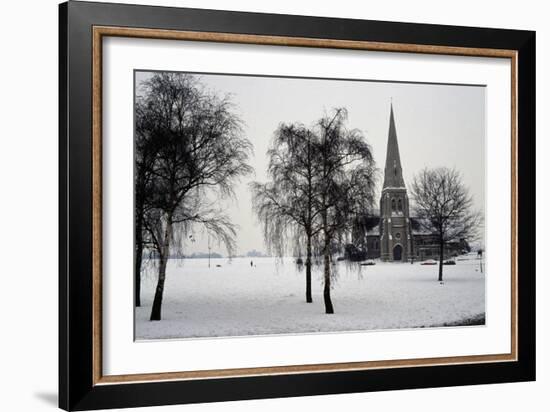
[200,154]
[286,204]
[346,184]
[322,179]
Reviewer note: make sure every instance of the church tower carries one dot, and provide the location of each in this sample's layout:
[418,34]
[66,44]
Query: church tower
[395,228]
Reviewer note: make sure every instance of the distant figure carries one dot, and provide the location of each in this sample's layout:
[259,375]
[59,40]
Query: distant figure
[251,263]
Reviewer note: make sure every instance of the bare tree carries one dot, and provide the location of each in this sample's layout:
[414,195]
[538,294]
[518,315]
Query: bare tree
[285,205]
[444,206]
[200,153]
[346,184]
[321,179]
[146,144]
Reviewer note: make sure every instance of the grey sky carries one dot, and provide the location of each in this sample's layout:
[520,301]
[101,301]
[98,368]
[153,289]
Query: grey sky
[437,125]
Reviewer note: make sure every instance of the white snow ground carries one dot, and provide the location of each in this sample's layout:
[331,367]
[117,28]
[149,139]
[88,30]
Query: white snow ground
[237,299]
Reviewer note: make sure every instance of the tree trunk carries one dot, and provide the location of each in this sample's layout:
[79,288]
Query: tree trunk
[326,291]
[309,299]
[440,279]
[164,255]
[139,256]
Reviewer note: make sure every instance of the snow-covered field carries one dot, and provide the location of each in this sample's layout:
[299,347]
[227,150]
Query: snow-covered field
[237,299]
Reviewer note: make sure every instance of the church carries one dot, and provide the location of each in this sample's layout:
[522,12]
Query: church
[394,235]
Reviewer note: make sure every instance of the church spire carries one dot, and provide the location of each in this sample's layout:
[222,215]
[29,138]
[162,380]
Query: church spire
[393,174]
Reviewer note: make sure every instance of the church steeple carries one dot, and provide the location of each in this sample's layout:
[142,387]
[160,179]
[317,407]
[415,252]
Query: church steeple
[395,228]
[393,174]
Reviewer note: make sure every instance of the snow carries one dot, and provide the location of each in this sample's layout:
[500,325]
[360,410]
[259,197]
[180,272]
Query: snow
[375,231]
[269,298]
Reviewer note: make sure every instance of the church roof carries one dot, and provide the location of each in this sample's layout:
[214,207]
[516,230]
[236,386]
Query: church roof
[418,227]
[393,173]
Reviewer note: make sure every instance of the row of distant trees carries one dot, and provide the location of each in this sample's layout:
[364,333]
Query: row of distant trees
[190,151]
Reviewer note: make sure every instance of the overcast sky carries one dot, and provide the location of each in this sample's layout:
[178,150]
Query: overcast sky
[437,125]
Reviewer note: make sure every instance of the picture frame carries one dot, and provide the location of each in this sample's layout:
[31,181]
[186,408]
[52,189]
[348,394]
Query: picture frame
[83,27]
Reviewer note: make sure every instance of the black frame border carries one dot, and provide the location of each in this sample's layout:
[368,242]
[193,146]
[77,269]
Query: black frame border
[76,388]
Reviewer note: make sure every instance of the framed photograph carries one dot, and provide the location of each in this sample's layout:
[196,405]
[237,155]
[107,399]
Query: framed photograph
[256,205]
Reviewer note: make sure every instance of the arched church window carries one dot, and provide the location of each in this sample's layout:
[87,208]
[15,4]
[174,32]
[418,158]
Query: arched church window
[399,205]
[393,205]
